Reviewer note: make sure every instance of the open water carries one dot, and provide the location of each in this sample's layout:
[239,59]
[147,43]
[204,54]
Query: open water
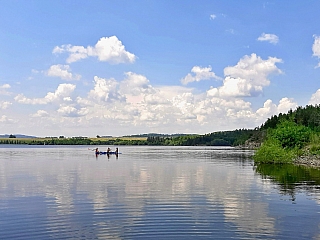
[66,192]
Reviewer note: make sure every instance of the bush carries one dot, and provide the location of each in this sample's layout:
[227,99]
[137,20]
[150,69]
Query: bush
[291,135]
[271,151]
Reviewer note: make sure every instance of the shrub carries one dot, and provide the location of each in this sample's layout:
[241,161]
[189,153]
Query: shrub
[271,151]
[291,135]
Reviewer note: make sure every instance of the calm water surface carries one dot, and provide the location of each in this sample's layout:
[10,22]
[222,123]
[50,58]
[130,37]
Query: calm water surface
[66,192]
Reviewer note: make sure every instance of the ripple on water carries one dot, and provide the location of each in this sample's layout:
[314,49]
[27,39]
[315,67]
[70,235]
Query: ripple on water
[149,192]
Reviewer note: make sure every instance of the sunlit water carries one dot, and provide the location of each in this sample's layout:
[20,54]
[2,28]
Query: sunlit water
[66,192]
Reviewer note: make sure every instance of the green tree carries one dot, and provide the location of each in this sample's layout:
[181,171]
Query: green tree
[291,135]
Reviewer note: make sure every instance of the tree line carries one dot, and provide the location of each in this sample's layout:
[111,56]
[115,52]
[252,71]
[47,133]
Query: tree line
[227,138]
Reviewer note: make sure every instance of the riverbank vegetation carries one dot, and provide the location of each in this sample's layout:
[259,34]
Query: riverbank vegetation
[290,136]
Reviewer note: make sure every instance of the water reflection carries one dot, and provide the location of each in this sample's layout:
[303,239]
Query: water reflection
[291,178]
[149,192]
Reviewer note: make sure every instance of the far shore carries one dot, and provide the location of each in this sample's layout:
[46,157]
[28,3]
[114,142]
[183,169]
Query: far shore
[306,160]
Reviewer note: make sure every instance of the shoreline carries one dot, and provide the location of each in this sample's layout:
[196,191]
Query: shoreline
[305,160]
[308,160]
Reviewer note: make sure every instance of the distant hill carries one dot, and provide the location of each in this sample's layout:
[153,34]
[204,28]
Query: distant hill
[17,136]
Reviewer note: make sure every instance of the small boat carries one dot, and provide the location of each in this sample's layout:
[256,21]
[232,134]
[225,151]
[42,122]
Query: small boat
[104,153]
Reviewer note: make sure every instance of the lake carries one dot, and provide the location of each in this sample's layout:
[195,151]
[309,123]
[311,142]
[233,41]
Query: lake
[66,192]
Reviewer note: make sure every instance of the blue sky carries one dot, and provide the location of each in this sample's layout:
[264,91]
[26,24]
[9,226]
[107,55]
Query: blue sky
[82,68]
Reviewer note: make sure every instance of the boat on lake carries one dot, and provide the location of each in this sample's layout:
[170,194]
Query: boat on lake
[104,153]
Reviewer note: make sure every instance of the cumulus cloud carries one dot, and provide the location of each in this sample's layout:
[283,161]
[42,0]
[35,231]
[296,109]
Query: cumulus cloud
[63,72]
[271,38]
[108,49]
[4,104]
[133,101]
[135,84]
[269,108]
[105,90]
[61,94]
[40,113]
[71,111]
[315,98]
[199,74]
[247,78]
[4,89]
[316,47]
[285,104]
[5,86]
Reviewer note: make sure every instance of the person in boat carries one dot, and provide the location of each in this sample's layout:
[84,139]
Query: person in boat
[108,151]
[117,151]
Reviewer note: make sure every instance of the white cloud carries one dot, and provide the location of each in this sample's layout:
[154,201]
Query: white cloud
[4,104]
[150,108]
[164,109]
[3,89]
[316,47]
[61,94]
[71,111]
[315,98]
[5,86]
[76,52]
[285,104]
[109,49]
[271,38]
[20,98]
[269,108]
[247,78]
[63,72]
[212,16]
[135,84]
[134,105]
[40,113]
[105,90]
[5,120]
[199,74]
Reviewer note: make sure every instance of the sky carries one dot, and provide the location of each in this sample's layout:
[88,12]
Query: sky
[115,68]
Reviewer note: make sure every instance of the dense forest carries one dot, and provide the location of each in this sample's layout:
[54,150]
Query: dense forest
[308,116]
[226,138]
